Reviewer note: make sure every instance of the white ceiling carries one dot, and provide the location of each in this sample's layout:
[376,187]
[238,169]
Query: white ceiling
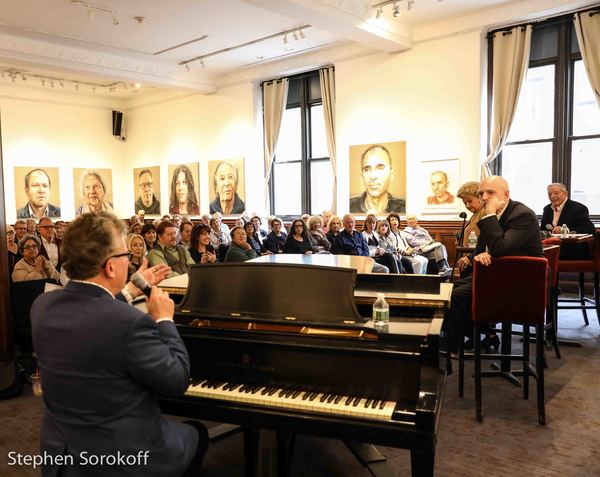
[61,39]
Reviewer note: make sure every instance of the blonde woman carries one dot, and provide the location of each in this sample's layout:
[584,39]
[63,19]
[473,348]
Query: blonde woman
[137,249]
[334,226]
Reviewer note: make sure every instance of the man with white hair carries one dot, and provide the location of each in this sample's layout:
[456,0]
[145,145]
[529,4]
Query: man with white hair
[507,228]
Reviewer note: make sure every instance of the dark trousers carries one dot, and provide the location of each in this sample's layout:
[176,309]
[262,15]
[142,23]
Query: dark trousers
[458,321]
[388,260]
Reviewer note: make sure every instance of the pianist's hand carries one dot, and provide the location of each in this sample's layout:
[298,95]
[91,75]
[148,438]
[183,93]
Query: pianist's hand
[484,258]
[160,305]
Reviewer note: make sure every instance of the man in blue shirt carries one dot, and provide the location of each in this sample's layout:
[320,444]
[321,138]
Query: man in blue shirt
[351,242]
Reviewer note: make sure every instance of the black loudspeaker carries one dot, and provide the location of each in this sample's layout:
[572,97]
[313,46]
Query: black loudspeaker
[117,123]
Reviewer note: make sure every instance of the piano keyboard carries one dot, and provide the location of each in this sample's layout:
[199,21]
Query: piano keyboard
[347,406]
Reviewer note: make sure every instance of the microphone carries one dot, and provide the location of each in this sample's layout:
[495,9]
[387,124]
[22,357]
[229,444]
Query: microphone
[140,282]
[462,215]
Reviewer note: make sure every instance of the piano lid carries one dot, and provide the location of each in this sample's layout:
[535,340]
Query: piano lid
[272,291]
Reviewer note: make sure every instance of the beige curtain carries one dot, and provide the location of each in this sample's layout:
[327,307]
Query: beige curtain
[587,27]
[274,101]
[510,60]
[327,76]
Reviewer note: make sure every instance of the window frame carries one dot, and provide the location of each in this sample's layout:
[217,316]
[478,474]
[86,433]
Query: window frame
[305,104]
[564,63]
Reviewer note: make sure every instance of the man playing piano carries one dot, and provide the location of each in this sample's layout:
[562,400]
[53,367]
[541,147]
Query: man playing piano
[103,362]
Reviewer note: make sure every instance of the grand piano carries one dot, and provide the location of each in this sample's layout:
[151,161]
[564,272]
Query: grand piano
[283,349]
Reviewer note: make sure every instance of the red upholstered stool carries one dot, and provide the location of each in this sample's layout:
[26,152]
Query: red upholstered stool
[581,267]
[512,290]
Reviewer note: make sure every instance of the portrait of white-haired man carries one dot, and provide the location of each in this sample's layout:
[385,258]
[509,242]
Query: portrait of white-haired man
[37,189]
[377,175]
[94,192]
[225,183]
[439,183]
[146,186]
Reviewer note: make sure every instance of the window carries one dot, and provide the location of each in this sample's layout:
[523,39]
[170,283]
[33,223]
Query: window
[555,135]
[302,179]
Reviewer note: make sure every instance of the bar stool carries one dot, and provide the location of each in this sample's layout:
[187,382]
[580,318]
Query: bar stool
[591,265]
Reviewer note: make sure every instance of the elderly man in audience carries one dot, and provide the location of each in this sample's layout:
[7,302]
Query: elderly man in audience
[507,228]
[20,230]
[33,266]
[424,244]
[218,237]
[261,234]
[31,226]
[224,226]
[168,252]
[276,238]
[50,246]
[576,216]
[185,233]
[239,250]
[59,230]
[351,242]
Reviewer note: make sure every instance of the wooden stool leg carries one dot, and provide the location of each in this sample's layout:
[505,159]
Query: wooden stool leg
[597,294]
[478,404]
[582,297]
[538,340]
[540,381]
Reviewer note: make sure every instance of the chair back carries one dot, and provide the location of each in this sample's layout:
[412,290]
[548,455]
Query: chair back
[552,253]
[510,290]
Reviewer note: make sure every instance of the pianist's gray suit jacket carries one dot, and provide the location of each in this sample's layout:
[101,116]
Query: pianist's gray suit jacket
[102,363]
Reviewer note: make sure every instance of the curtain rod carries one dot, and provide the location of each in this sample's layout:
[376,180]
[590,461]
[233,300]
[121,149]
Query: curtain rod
[299,75]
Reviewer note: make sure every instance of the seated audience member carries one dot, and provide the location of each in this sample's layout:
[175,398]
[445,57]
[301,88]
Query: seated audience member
[315,224]
[33,265]
[334,225]
[239,222]
[326,215]
[148,232]
[417,262]
[251,237]
[166,218]
[239,249]
[224,226]
[60,228]
[20,230]
[185,234]
[50,246]
[201,250]
[351,242]
[137,249]
[424,244]
[508,228]
[218,237]
[13,249]
[103,362]
[469,194]
[141,214]
[576,216]
[167,251]
[134,219]
[205,219]
[135,228]
[276,238]
[260,234]
[298,240]
[387,241]
[31,225]
[377,252]
[305,217]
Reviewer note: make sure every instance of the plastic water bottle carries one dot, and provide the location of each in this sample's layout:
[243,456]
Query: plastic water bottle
[564,230]
[472,239]
[381,311]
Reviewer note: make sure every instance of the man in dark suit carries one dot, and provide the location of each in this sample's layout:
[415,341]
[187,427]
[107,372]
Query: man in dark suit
[576,216]
[507,228]
[102,363]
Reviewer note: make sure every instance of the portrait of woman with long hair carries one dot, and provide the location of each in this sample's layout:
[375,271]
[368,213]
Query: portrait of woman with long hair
[183,199]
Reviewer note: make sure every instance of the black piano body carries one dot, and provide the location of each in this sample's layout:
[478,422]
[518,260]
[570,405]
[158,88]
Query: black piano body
[297,328]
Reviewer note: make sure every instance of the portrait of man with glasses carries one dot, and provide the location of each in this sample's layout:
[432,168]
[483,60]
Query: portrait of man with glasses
[145,185]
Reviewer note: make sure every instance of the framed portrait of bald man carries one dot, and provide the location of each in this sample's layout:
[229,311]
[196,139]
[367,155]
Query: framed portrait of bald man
[227,191]
[92,189]
[378,178]
[146,190]
[440,181]
[37,192]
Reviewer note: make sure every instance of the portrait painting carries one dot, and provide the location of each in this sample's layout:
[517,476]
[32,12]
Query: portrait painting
[146,189]
[92,190]
[37,192]
[184,189]
[378,178]
[227,192]
[439,181]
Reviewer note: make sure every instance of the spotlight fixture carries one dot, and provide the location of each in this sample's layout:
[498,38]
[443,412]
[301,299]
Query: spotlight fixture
[23,77]
[301,34]
[379,12]
[92,9]
[202,63]
[396,9]
[114,19]
[286,44]
[187,67]
[295,35]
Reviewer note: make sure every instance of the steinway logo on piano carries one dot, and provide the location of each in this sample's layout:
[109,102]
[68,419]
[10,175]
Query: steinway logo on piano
[246,363]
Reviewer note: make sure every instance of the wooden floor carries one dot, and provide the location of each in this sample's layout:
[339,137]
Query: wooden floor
[508,443]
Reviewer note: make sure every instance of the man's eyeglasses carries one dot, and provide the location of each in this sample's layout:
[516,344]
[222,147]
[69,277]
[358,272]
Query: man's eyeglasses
[118,255]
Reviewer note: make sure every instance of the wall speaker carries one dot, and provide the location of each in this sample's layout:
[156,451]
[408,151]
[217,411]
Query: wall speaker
[117,123]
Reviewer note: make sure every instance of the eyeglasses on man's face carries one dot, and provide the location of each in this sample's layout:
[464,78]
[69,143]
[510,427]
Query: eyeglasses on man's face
[118,255]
